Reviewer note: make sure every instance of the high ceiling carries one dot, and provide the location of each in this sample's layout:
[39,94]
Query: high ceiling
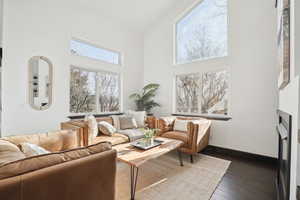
[138,14]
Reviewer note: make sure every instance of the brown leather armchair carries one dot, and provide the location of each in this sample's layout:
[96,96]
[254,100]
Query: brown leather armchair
[195,139]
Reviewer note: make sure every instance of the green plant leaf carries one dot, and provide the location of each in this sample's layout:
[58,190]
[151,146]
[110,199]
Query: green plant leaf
[151,86]
[135,96]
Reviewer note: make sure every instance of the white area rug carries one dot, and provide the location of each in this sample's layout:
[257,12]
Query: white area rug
[165,179]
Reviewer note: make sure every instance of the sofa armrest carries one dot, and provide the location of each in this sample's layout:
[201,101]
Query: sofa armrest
[80,127]
[150,122]
[76,129]
[199,132]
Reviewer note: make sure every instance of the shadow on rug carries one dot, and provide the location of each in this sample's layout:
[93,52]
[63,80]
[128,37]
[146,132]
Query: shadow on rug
[165,179]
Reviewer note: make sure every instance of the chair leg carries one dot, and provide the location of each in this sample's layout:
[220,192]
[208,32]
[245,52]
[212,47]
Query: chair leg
[192,159]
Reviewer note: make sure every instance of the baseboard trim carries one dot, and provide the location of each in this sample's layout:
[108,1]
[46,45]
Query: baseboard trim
[242,154]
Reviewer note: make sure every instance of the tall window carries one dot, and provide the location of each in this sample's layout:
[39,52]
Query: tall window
[202,93]
[91,51]
[94,92]
[202,33]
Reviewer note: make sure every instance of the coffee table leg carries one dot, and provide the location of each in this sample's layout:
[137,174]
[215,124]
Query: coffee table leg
[134,172]
[180,158]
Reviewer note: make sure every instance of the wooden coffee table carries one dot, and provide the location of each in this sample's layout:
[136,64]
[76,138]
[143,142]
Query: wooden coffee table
[136,157]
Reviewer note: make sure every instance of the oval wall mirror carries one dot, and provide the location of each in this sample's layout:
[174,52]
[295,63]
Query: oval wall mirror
[40,82]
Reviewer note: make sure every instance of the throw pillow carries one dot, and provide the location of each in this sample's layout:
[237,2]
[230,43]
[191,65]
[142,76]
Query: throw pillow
[127,123]
[106,128]
[181,125]
[92,126]
[32,149]
[139,117]
[9,153]
[116,121]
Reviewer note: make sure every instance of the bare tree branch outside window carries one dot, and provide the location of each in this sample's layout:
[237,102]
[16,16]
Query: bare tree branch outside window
[202,94]
[202,34]
[82,91]
[188,93]
[108,86]
[86,86]
[215,92]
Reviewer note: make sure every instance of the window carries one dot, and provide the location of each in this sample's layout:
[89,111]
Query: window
[202,33]
[87,50]
[94,92]
[202,93]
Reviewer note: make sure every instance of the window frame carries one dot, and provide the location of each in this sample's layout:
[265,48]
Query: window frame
[186,12]
[175,112]
[120,60]
[120,78]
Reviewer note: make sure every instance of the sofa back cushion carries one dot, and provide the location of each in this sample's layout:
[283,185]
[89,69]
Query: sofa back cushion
[139,117]
[127,123]
[51,141]
[105,119]
[30,164]
[9,152]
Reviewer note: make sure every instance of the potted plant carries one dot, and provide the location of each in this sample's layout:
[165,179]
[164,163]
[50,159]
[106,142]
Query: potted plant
[149,135]
[145,100]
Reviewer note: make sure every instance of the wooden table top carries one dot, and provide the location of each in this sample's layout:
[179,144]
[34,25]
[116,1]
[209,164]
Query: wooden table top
[136,157]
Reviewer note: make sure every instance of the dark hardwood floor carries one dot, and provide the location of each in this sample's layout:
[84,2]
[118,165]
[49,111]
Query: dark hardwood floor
[246,179]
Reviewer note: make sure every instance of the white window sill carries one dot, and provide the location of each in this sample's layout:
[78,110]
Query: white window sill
[207,116]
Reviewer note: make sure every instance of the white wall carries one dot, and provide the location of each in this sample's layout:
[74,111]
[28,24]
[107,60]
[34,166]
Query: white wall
[45,28]
[1,21]
[296,20]
[289,96]
[252,65]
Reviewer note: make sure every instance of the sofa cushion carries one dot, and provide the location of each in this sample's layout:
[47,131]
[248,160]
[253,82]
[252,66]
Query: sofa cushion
[52,141]
[106,128]
[139,117]
[133,134]
[30,164]
[127,123]
[115,139]
[177,135]
[32,149]
[9,152]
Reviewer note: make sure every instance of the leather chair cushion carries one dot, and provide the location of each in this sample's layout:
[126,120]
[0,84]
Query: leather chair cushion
[30,164]
[115,139]
[51,141]
[177,135]
[9,152]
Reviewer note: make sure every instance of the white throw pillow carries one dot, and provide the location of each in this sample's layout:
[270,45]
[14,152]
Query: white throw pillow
[116,121]
[139,117]
[92,126]
[32,149]
[181,125]
[106,128]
